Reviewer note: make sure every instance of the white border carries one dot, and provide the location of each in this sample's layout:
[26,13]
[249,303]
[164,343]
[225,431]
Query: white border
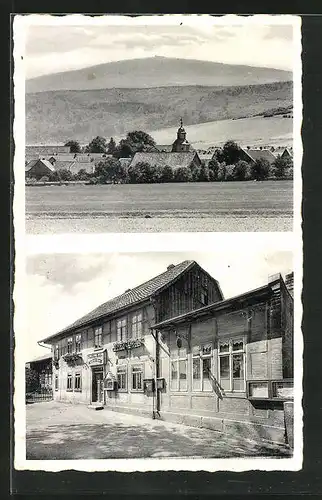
[149,242]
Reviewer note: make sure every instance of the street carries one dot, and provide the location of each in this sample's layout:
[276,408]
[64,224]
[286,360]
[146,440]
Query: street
[65,431]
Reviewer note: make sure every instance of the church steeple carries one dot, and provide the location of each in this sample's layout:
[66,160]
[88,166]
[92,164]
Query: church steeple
[181,144]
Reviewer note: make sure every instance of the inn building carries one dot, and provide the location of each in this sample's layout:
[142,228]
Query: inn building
[175,349]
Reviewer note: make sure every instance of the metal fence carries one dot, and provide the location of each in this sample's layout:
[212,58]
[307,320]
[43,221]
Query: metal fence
[38,396]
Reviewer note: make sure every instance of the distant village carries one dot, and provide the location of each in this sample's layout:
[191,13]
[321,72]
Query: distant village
[138,159]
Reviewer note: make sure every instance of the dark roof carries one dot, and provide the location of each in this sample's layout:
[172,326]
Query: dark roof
[241,299]
[41,358]
[32,163]
[173,160]
[256,154]
[130,297]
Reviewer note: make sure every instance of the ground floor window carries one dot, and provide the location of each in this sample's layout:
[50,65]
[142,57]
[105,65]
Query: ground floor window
[178,371]
[202,368]
[69,382]
[78,382]
[122,378]
[232,364]
[137,378]
[56,383]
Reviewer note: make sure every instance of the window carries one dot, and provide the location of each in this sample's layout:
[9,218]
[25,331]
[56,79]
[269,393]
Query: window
[70,345]
[56,383]
[201,369]
[121,329]
[78,342]
[121,374]
[98,337]
[78,382]
[204,297]
[56,352]
[232,365]
[137,326]
[107,332]
[69,382]
[137,378]
[178,370]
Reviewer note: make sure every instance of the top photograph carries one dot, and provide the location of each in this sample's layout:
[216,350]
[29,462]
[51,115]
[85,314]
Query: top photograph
[157,123]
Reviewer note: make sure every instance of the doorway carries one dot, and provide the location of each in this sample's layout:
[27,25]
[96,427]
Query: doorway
[97,386]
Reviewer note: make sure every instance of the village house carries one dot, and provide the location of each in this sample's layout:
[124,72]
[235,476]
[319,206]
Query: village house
[34,152]
[252,155]
[43,366]
[173,348]
[38,168]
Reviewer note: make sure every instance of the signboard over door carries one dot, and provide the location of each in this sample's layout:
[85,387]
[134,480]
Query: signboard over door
[96,358]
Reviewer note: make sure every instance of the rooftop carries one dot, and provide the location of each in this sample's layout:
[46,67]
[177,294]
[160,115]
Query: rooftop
[173,160]
[130,297]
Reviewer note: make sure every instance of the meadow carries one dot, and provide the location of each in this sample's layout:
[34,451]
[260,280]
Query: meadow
[224,206]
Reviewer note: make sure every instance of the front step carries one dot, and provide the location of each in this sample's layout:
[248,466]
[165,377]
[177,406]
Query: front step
[95,406]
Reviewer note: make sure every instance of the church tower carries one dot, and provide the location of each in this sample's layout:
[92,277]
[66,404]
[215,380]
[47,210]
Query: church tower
[181,145]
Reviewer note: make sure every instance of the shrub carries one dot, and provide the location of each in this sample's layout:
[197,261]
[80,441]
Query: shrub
[109,170]
[260,169]
[221,176]
[241,171]
[141,173]
[281,167]
[182,174]
[167,174]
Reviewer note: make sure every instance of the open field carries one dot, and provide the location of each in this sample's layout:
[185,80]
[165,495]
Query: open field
[227,206]
[254,131]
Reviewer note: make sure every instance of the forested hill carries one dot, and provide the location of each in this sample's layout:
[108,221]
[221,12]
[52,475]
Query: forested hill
[56,116]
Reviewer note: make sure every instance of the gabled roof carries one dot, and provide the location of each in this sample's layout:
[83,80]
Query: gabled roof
[256,154]
[32,163]
[89,167]
[173,160]
[134,296]
[238,301]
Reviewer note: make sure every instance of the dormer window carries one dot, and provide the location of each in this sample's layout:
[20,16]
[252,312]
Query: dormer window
[78,342]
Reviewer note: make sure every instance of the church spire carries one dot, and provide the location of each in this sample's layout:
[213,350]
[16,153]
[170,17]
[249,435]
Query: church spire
[181,123]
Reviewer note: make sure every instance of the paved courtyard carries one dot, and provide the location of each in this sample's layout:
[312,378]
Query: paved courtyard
[65,431]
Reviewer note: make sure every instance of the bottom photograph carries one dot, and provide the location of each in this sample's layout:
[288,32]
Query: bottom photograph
[159,355]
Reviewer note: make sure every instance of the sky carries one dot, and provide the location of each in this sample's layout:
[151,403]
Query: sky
[63,287]
[55,48]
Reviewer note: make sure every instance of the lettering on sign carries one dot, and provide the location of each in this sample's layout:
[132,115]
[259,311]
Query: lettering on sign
[96,358]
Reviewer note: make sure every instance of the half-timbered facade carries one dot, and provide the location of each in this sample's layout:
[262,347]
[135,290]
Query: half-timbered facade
[109,355]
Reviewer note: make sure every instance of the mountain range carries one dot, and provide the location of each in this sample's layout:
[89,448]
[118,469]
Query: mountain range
[156,72]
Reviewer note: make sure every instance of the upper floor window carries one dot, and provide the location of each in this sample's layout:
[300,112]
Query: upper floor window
[204,296]
[137,325]
[98,337]
[56,383]
[231,354]
[56,352]
[70,345]
[78,342]
[121,329]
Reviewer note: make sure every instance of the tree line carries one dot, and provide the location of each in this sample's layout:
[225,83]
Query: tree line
[226,165]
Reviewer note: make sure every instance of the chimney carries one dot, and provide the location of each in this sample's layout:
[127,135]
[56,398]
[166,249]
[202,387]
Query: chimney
[171,266]
[128,290]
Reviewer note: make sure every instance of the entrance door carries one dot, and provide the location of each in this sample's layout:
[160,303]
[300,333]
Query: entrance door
[97,386]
